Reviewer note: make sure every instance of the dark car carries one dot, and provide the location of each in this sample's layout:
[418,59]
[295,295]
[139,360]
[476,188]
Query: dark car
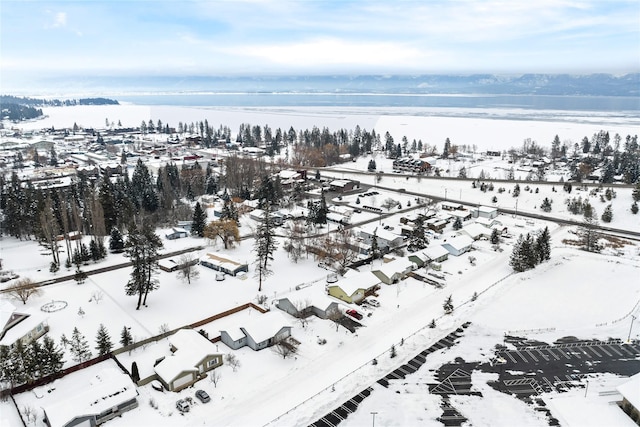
[203,396]
[354,314]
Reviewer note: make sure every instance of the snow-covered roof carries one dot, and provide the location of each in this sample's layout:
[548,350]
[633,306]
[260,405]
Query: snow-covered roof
[459,242]
[101,392]
[6,311]
[288,174]
[399,265]
[475,230]
[486,209]
[353,280]
[265,326]
[435,251]
[630,390]
[339,182]
[191,347]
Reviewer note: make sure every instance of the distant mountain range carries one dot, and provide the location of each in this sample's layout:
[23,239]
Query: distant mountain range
[627,85]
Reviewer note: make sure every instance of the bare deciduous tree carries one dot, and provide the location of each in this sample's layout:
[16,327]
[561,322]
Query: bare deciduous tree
[23,289]
[334,314]
[188,269]
[214,377]
[286,347]
[233,361]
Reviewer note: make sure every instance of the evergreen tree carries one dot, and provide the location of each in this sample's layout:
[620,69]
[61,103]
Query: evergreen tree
[103,341]
[372,165]
[116,242]
[607,215]
[418,239]
[34,360]
[125,337]
[135,374]
[495,236]
[543,246]
[79,347]
[321,214]
[448,305]
[375,249]
[392,352]
[634,208]
[636,192]
[516,190]
[53,357]
[199,220]
[142,248]
[53,157]
[546,205]
[229,211]
[265,246]
[457,224]
[16,373]
[143,192]
[589,236]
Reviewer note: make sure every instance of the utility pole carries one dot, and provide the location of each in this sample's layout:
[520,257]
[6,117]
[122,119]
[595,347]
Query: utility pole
[633,318]
[374,418]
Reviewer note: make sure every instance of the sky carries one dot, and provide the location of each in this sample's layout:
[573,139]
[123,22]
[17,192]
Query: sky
[252,37]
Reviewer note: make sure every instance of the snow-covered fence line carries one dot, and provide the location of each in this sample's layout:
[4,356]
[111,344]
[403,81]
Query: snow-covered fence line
[530,331]
[633,310]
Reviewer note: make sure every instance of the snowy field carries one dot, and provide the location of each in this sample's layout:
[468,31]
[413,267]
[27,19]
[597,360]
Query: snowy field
[573,294]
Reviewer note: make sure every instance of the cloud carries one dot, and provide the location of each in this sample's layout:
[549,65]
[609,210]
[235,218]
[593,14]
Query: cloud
[323,52]
[59,20]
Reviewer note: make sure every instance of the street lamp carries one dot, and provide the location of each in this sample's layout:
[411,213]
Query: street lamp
[374,418]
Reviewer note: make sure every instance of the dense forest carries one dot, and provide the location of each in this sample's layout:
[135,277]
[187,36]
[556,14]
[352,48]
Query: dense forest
[16,108]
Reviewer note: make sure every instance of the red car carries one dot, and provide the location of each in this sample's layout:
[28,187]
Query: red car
[355,314]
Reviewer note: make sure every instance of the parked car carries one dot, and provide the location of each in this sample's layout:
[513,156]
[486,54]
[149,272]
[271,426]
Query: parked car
[355,314]
[203,396]
[157,385]
[183,405]
[373,302]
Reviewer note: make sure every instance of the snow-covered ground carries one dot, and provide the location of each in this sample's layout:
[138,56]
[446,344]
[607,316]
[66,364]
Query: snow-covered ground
[575,293]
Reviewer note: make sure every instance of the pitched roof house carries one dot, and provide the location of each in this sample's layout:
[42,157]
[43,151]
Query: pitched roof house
[257,331]
[458,245]
[192,355]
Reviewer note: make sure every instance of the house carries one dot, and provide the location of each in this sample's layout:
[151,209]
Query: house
[630,391]
[475,231]
[176,233]
[92,400]
[220,262]
[170,265]
[258,331]
[354,286]
[489,223]
[18,326]
[436,253]
[463,214]
[451,206]
[192,356]
[484,212]
[436,224]
[458,245]
[343,185]
[386,239]
[258,215]
[394,271]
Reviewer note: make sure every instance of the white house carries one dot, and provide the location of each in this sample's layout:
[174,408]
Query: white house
[475,231]
[258,331]
[484,212]
[220,262]
[21,326]
[458,245]
[176,233]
